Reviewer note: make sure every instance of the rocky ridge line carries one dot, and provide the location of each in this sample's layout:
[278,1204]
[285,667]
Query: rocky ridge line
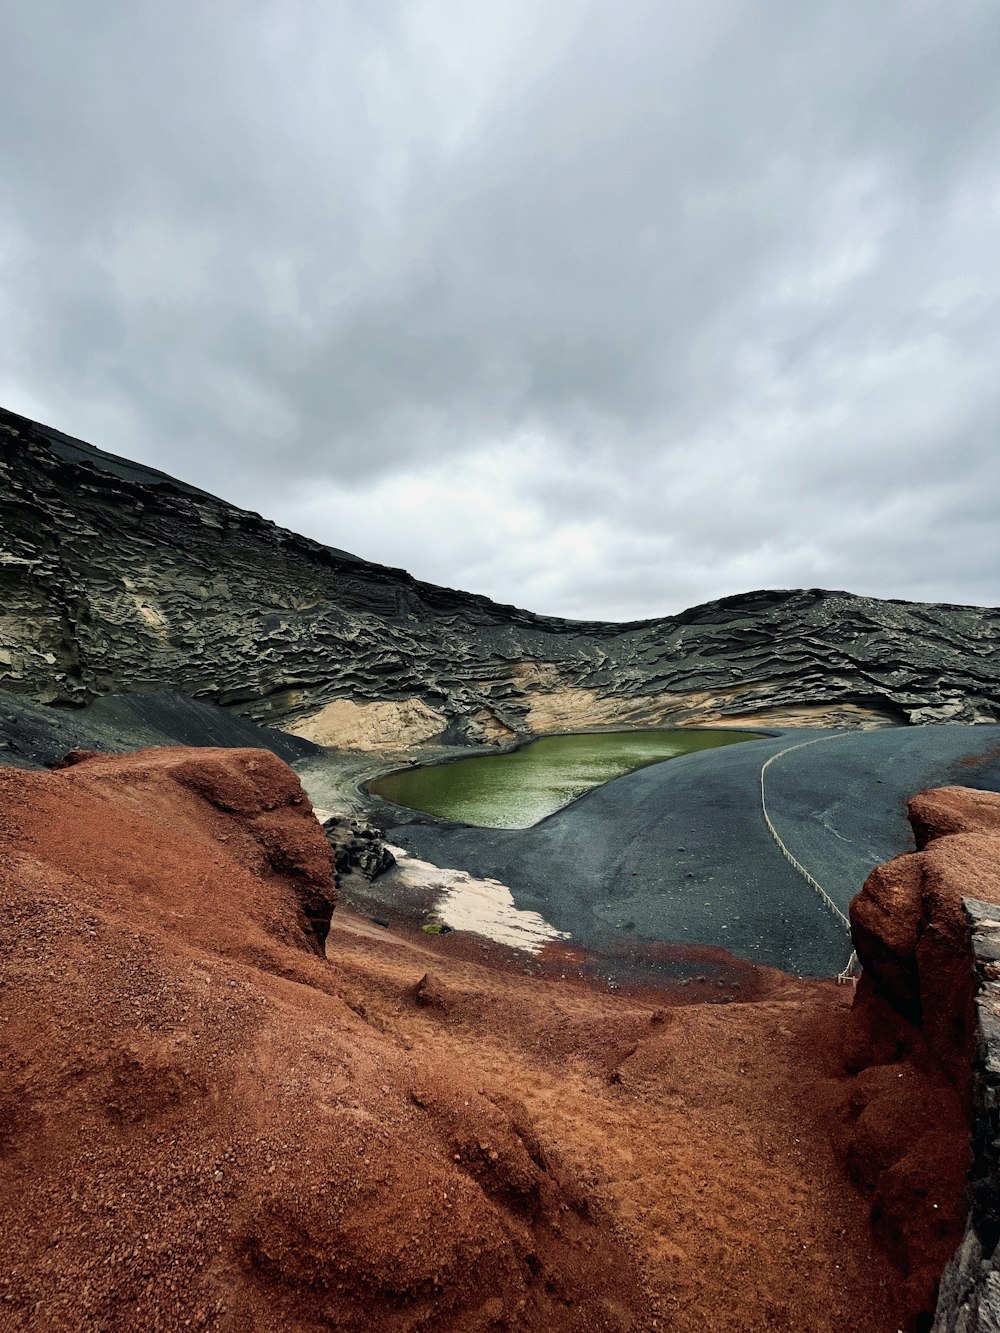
[117,578]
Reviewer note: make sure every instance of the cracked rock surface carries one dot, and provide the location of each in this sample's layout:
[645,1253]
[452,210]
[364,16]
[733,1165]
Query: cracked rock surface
[115,578]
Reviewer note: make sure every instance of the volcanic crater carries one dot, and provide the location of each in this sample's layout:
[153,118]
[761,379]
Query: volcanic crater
[224,1104]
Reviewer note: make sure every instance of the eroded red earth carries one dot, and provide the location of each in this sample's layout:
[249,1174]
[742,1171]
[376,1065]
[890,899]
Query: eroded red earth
[206,1123]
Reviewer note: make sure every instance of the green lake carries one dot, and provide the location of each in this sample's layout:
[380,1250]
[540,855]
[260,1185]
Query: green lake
[518,789]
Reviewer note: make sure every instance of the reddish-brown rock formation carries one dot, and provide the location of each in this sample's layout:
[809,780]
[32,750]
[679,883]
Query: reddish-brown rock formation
[904,1135]
[204,1124]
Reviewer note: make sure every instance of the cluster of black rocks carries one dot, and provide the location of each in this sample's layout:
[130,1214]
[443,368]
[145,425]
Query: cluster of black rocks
[357,847]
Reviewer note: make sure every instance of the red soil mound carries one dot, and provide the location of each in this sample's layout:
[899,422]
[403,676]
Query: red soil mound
[904,1133]
[205,1124]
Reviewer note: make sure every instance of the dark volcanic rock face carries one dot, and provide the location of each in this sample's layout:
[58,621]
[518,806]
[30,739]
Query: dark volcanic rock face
[116,578]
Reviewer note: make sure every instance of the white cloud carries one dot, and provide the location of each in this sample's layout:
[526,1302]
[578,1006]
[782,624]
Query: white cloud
[602,310]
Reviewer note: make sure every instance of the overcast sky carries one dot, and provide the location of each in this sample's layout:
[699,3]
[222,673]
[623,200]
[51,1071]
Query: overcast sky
[603,309]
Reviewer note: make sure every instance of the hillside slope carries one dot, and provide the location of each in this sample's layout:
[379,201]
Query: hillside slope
[117,578]
[205,1124]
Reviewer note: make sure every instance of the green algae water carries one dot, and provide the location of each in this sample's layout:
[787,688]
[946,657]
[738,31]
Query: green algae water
[516,790]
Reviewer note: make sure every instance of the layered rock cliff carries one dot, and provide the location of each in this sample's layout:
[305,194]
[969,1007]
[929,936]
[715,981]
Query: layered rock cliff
[118,578]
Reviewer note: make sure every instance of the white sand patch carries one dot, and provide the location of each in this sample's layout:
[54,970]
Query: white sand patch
[483,906]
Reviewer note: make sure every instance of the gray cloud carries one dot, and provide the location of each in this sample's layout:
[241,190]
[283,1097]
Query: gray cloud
[600,310]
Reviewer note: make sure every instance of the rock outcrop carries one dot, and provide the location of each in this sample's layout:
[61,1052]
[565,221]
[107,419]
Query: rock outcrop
[115,578]
[912,1038]
[969,1298]
[358,847]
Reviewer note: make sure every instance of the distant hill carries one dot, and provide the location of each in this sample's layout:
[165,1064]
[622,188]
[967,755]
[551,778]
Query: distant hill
[117,578]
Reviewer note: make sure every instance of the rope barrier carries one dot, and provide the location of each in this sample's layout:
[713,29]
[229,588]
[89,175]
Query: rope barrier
[848,973]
